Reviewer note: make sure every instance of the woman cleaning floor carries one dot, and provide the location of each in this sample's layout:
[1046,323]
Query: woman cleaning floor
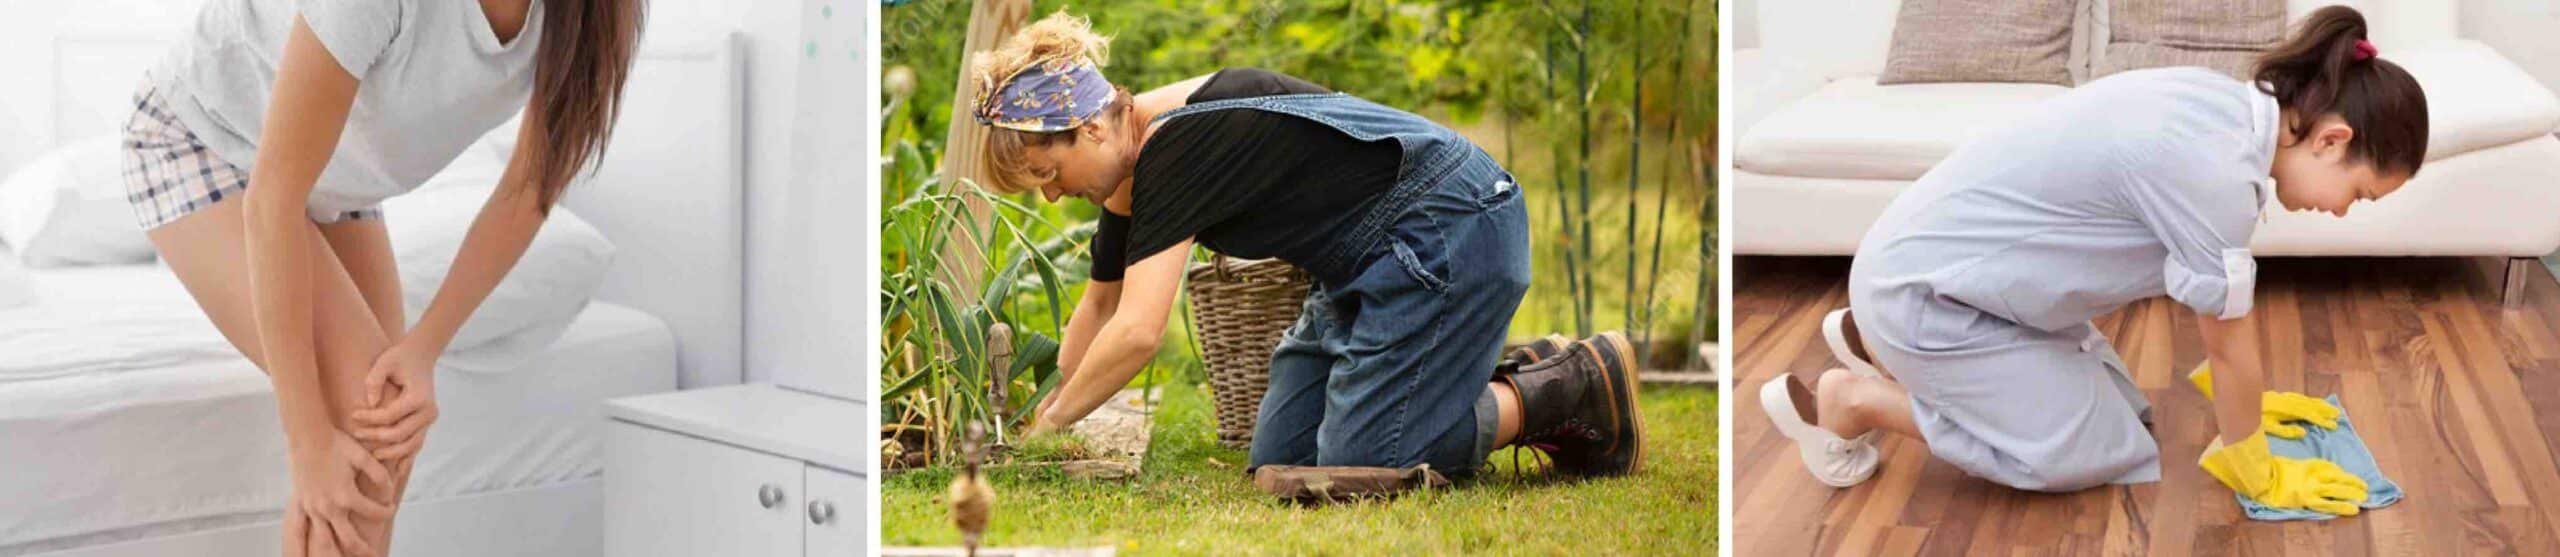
[1417,239]
[258,153]
[1970,299]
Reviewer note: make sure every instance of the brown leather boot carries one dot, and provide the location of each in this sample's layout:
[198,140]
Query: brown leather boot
[1580,408]
[1535,351]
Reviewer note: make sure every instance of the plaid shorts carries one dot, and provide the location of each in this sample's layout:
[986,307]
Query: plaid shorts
[169,174]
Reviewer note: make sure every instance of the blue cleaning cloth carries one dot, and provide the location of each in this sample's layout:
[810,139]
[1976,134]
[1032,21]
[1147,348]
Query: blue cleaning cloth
[2341,446]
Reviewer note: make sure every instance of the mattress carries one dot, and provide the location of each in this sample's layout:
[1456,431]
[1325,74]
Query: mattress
[191,440]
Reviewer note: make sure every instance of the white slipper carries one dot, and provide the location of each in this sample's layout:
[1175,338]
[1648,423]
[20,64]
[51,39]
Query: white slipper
[1839,341]
[1834,461]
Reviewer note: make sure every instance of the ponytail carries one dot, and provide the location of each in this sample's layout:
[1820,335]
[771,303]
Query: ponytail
[2328,66]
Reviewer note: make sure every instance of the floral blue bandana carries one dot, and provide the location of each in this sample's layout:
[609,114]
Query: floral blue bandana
[1050,96]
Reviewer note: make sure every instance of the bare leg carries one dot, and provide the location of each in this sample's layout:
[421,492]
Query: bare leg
[364,248]
[208,252]
[1849,405]
[1506,403]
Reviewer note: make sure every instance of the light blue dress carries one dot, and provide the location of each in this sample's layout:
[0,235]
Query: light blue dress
[1976,287]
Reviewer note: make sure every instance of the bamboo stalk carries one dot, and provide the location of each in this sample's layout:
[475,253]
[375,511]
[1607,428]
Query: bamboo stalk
[1707,295]
[1635,169]
[1706,245]
[1564,203]
[1582,95]
[1502,106]
[1662,202]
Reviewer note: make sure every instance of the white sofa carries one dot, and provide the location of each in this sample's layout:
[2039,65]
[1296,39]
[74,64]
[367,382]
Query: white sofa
[1823,149]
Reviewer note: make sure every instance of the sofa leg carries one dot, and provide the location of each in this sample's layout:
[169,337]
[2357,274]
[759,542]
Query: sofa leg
[2519,269]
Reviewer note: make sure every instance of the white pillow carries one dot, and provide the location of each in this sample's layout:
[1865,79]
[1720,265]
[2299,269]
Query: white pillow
[68,208]
[15,288]
[500,142]
[547,289]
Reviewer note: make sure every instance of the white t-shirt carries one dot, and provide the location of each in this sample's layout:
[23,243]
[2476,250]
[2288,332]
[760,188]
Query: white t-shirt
[432,77]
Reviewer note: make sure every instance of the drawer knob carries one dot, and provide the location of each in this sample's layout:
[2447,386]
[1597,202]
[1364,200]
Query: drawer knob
[770,495]
[821,512]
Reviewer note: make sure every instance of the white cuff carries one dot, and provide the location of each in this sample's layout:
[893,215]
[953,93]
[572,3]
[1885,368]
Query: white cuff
[2240,282]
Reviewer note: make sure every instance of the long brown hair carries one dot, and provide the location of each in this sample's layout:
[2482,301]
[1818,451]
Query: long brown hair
[2320,70]
[579,69]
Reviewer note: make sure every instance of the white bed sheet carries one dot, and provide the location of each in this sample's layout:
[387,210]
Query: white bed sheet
[89,458]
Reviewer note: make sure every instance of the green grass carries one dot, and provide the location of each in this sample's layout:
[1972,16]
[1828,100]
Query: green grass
[1194,498]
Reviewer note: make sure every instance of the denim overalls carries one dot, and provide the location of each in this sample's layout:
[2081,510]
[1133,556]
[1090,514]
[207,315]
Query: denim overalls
[1391,367]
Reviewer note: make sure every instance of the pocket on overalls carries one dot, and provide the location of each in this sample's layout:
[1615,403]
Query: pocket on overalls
[1415,265]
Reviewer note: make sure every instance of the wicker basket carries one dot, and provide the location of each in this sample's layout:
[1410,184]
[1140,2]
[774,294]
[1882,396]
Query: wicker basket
[1242,307]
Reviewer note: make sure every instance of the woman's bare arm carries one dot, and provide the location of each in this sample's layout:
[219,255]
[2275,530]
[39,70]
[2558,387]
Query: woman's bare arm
[498,237]
[1100,300]
[2232,347]
[307,111]
[1122,347]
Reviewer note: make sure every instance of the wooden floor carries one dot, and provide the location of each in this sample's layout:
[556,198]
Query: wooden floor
[2459,398]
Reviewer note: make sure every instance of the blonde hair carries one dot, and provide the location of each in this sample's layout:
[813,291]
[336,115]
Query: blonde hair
[1057,36]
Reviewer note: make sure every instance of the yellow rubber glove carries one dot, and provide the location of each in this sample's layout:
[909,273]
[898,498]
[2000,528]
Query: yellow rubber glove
[2202,378]
[2287,483]
[2277,409]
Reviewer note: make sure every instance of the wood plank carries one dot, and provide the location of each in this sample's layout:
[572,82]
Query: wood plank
[2386,533]
[2505,398]
[2489,453]
[2446,387]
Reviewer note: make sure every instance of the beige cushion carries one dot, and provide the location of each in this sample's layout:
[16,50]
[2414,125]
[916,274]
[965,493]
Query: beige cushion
[2197,24]
[2015,41]
[2476,99]
[2225,35]
[2122,57]
[1853,128]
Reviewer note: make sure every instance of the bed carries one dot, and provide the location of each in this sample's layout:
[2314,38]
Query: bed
[176,450]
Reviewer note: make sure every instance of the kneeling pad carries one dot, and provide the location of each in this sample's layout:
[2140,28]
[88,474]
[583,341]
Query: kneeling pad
[1323,484]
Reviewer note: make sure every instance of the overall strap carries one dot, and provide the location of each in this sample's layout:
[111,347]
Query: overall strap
[1271,102]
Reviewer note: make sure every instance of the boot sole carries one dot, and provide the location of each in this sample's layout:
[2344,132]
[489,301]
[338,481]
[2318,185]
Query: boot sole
[1622,379]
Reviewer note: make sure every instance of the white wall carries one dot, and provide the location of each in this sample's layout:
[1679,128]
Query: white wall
[2527,32]
[1746,33]
[805,282]
[804,203]
[27,30]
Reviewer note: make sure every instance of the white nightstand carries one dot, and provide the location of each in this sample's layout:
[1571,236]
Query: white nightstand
[747,470]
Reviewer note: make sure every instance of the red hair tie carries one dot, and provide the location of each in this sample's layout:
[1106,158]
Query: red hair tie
[2365,50]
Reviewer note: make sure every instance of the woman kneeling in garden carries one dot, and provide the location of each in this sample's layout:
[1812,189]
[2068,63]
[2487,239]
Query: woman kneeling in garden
[1418,242]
